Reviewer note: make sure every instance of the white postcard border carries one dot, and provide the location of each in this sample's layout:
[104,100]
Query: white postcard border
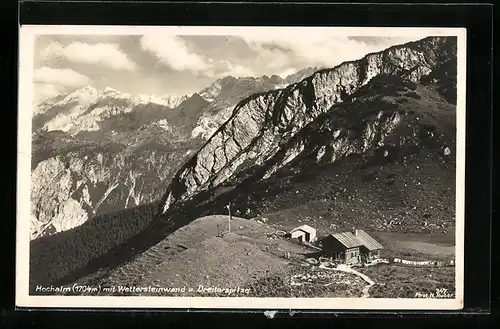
[27,36]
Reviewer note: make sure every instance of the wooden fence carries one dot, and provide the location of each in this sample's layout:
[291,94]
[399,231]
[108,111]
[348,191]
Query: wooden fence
[424,262]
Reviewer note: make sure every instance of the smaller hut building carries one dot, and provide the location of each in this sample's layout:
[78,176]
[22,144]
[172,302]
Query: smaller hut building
[304,233]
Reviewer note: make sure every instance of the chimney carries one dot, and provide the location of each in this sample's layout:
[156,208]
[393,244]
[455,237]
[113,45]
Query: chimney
[356,232]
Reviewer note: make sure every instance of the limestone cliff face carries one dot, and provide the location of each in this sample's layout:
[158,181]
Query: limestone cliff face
[261,124]
[71,187]
[225,93]
[389,115]
[98,151]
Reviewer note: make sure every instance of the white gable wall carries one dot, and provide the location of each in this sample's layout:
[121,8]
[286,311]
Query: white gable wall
[311,235]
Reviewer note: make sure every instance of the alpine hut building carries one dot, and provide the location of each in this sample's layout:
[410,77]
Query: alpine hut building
[356,247]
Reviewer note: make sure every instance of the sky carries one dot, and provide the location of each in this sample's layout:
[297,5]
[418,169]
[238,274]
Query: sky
[167,64]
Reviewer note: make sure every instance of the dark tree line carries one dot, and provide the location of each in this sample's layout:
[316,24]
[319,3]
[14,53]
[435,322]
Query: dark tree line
[55,256]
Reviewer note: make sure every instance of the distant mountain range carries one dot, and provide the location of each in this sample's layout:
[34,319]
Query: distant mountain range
[96,151]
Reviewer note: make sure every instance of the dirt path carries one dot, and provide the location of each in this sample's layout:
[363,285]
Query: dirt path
[347,269]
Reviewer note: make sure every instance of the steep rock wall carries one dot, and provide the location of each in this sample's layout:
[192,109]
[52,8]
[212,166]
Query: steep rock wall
[263,122]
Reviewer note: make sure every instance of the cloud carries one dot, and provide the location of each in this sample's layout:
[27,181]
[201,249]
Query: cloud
[175,53]
[44,91]
[239,71]
[282,51]
[223,68]
[288,71]
[105,54]
[60,77]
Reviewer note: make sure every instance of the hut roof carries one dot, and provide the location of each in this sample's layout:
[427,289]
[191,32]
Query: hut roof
[367,240]
[348,239]
[357,239]
[305,228]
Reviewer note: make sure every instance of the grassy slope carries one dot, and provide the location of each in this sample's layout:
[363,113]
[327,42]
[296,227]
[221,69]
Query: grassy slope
[192,237]
[400,281]
[313,282]
[246,258]
[417,246]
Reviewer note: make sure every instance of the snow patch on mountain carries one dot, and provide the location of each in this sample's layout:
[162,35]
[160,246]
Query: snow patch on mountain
[85,108]
[212,91]
[209,123]
[170,101]
[163,124]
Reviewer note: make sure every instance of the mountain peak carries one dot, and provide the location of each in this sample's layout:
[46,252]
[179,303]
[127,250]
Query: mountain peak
[110,89]
[195,96]
[301,74]
[194,99]
[87,93]
[88,88]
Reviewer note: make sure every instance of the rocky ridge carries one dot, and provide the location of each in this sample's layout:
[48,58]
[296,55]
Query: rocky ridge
[96,151]
[261,124]
[301,75]
[225,93]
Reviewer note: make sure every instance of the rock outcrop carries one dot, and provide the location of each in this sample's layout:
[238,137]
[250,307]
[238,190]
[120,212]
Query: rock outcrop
[301,75]
[226,92]
[73,186]
[262,124]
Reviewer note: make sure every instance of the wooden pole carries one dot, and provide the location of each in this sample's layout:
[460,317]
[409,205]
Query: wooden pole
[229,219]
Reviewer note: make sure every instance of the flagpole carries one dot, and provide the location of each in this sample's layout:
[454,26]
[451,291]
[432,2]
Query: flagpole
[229,219]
